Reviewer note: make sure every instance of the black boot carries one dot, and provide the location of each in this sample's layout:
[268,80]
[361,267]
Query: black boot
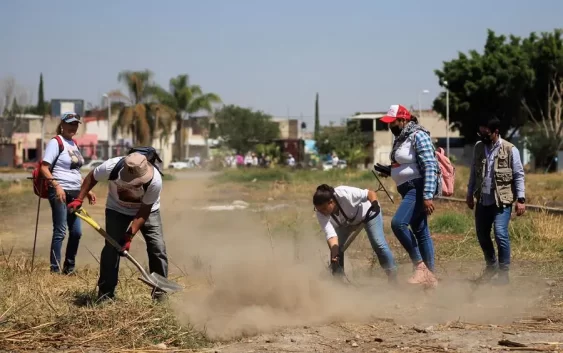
[489,272]
[503,278]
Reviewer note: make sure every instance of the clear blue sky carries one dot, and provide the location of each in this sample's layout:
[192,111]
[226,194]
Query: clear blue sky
[361,55]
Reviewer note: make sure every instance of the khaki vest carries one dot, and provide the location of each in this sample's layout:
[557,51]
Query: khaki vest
[502,172]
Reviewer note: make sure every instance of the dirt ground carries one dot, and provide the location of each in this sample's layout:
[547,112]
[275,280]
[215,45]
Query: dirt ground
[257,281]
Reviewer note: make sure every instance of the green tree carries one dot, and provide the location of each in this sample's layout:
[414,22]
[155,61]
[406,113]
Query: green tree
[317,120]
[185,99]
[516,79]
[492,82]
[144,117]
[41,106]
[347,141]
[242,129]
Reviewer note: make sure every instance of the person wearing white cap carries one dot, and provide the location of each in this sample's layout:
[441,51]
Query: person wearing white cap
[133,204]
[415,170]
[61,167]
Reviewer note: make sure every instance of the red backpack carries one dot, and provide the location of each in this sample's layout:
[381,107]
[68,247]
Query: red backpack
[41,185]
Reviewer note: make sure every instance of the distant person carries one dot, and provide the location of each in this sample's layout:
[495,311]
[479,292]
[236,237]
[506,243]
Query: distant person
[343,209]
[62,168]
[240,160]
[496,181]
[291,161]
[335,160]
[133,205]
[248,160]
[414,169]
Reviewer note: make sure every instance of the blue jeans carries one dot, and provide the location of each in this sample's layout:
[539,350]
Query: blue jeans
[485,216]
[374,230]
[62,219]
[416,240]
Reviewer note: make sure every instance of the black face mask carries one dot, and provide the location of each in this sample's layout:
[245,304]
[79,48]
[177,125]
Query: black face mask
[396,130]
[486,139]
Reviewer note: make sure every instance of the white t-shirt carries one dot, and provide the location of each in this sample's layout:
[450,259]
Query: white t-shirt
[355,204]
[406,157]
[124,197]
[67,168]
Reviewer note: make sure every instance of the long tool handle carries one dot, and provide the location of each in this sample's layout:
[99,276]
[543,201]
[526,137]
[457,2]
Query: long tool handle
[381,186]
[86,218]
[351,238]
[36,228]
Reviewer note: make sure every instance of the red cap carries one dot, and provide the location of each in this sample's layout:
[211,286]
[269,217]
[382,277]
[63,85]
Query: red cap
[395,112]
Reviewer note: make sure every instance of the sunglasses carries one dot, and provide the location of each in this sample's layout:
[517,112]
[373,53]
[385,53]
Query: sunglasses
[72,116]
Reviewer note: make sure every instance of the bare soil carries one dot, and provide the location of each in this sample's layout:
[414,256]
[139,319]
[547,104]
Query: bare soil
[258,282]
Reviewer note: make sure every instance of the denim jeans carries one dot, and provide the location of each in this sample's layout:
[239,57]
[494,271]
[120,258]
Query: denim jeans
[485,217]
[116,225]
[416,240]
[374,230]
[61,219]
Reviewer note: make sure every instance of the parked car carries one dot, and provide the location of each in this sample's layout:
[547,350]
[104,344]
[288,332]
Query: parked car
[188,163]
[327,165]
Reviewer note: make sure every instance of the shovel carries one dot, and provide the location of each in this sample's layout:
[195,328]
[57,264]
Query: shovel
[154,280]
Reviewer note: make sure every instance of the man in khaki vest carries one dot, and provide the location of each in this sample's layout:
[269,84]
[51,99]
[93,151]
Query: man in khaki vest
[496,181]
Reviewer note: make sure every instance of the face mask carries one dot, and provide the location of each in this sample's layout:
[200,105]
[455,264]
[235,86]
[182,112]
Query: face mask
[396,130]
[486,139]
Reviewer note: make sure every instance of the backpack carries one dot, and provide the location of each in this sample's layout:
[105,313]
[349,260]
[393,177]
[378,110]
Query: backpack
[152,157]
[40,184]
[447,172]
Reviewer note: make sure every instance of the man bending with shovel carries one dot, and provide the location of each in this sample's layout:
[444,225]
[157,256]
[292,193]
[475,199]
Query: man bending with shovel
[133,204]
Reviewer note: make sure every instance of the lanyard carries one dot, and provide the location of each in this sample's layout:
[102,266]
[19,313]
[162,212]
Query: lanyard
[490,156]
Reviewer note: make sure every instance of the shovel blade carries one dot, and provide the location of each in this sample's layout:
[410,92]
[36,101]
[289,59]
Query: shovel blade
[161,283]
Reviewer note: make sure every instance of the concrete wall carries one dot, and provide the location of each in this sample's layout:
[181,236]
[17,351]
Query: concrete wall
[289,128]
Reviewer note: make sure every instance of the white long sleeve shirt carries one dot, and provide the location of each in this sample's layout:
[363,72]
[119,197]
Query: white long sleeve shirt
[355,204]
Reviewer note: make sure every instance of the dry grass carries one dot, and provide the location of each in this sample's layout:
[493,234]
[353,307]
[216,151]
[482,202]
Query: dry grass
[41,310]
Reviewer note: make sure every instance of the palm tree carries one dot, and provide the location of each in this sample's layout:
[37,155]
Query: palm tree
[143,116]
[185,99]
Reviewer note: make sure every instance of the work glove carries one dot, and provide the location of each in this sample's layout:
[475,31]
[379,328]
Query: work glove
[375,207]
[126,243]
[74,205]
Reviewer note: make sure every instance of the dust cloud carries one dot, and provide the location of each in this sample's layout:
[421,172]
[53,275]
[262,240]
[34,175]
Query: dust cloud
[248,282]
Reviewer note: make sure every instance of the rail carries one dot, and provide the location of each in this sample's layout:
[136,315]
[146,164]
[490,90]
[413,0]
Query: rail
[535,208]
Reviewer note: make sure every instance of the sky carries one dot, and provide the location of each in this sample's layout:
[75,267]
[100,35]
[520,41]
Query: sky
[274,56]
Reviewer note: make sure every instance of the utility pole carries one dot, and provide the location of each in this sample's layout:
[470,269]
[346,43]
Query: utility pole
[419,105]
[109,124]
[447,119]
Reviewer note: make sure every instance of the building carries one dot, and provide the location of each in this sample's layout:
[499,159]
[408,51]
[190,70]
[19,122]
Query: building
[380,139]
[290,129]
[94,140]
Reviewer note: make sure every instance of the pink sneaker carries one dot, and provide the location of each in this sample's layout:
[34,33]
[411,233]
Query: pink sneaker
[420,274]
[430,281]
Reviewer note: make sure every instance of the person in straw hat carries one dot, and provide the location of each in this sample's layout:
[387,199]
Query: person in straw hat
[133,204]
